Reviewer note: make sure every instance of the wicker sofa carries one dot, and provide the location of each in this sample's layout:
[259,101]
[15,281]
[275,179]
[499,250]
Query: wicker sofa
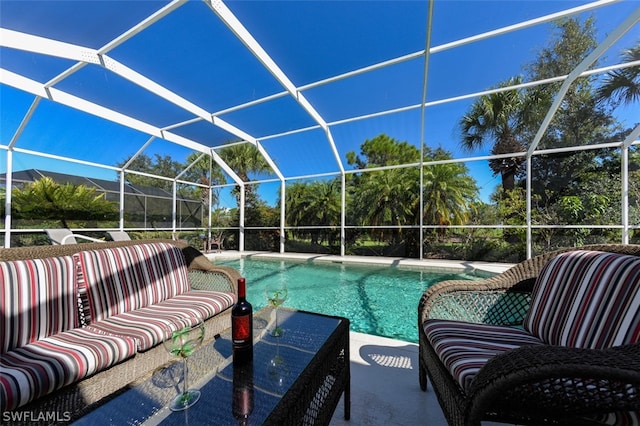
[552,340]
[82,321]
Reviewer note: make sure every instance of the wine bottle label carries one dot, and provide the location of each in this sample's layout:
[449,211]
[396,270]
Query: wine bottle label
[241,329]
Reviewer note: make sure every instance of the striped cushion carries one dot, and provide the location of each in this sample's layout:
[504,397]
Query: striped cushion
[464,347]
[44,366]
[123,279]
[587,299]
[39,299]
[148,325]
[627,418]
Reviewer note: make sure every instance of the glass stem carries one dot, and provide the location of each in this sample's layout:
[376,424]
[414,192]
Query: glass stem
[185,374]
[276,331]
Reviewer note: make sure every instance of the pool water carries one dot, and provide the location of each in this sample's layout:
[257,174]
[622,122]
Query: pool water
[378,300]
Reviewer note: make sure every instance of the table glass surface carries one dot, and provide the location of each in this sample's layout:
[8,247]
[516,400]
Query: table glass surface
[212,371]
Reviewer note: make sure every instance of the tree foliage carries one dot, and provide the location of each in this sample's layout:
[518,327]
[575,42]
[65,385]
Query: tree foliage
[245,159]
[158,165]
[580,119]
[450,193]
[498,118]
[315,203]
[622,86]
[45,199]
[391,197]
[385,197]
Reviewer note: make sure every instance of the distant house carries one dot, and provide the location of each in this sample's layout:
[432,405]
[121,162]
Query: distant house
[144,206]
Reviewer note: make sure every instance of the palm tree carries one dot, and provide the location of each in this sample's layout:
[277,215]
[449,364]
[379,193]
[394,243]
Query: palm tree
[496,118]
[388,198]
[622,86]
[296,204]
[449,194]
[316,203]
[244,159]
[46,199]
[324,204]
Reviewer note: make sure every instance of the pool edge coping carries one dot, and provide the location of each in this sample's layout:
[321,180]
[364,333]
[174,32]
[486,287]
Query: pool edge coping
[484,269]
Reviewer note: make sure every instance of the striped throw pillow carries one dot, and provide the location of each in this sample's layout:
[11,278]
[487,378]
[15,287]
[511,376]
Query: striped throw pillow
[123,279]
[587,299]
[39,299]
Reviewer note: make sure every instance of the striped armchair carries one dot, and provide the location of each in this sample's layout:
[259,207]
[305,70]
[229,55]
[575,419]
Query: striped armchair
[82,321]
[553,340]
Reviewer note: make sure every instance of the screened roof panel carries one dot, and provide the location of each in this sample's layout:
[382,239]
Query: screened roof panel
[87,23]
[199,58]
[400,126]
[94,139]
[106,89]
[447,133]
[270,118]
[302,153]
[396,86]
[454,20]
[205,133]
[41,68]
[258,72]
[11,117]
[486,63]
[321,39]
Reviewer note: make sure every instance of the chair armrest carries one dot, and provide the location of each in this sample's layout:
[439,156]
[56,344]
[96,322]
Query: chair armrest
[497,300]
[559,381]
[198,262]
[219,280]
[69,237]
[476,298]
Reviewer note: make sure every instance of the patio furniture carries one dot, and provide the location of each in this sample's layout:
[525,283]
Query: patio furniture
[217,241]
[553,340]
[119,235]
[295,379]
[65,236]
[82,321]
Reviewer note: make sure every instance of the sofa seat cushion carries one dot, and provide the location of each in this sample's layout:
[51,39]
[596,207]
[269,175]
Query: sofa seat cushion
[149,325]
[122,279]
[38,298]
[41,367]
[464,347]
[587,299]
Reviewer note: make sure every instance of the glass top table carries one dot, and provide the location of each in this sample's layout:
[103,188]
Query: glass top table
[297,378]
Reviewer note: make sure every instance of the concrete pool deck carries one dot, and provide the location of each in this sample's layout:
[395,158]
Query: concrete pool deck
[384,386]
[384,372]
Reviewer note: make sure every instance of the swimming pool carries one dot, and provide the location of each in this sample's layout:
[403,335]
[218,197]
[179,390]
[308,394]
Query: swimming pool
[378,300]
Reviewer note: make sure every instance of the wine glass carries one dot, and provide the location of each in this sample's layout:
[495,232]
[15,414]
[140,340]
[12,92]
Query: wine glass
[277,368]
[276,295]
[182,343]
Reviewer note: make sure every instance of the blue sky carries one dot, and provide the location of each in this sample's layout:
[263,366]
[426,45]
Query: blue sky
[193,54]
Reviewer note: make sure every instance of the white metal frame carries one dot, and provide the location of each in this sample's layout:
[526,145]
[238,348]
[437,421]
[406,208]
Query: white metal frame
[84,56]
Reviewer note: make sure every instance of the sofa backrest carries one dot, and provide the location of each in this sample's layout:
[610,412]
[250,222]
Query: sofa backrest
[38,299]
[121,279]
[587,299]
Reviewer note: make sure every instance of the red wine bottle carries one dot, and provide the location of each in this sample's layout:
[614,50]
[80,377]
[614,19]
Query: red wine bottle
[242,324]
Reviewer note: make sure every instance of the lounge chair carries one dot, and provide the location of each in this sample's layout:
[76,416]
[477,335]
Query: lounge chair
[217,242]
[119,235]
[61,236]
[553,340]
